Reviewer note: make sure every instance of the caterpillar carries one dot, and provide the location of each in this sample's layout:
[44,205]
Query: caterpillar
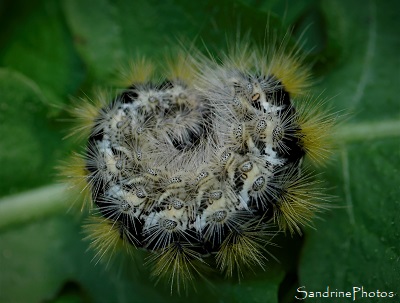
[205,163]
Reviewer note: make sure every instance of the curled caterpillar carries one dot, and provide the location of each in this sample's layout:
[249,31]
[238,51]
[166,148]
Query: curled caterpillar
[206,163]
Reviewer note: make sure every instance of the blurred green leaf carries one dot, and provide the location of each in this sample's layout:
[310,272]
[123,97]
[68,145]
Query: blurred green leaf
[29,141]
[41,47]
[44,255]
[357,244]
[114,32]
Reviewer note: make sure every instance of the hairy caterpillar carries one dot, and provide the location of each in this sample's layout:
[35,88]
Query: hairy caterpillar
[204,163]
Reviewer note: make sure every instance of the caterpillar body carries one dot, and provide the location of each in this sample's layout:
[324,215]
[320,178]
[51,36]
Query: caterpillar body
[206,163]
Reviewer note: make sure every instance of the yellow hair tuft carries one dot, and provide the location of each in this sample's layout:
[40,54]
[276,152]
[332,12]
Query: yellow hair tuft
[107,237]
[137,71]
[74,173]
[300,199]
[317,126]
[293,76]
[178,263]
[243,247]
[179,67]
[85,111]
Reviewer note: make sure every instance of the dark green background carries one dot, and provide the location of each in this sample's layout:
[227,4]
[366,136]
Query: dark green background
[53,50]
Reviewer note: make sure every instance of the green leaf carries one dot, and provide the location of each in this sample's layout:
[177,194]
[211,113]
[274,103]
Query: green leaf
[111,33]
[42,256]
[40,46]
[30,142]
[357,243]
